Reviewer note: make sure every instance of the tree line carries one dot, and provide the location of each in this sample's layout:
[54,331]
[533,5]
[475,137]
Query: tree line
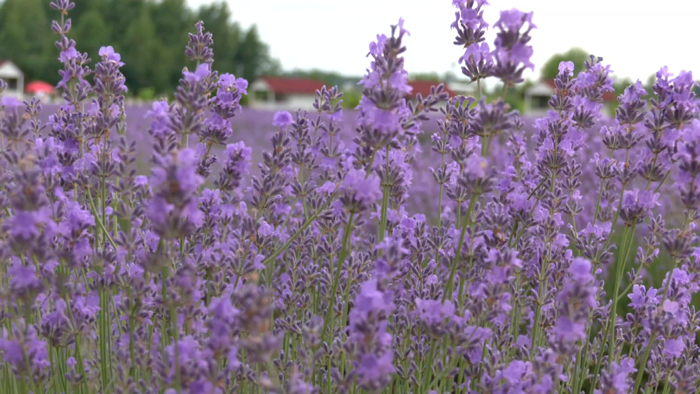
[149,34]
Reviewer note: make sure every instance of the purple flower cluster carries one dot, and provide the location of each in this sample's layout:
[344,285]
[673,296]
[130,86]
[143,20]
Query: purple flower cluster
[511,54]
[501,255]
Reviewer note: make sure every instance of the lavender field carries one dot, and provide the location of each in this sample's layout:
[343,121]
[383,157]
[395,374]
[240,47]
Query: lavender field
[436,245]
[254,128]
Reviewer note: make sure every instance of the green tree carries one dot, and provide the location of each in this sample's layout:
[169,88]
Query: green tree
[253,59]
[150,35]
[142,55]
[92,33]
[620,84]
[651,80]
[120,15]
[351,99]
[450,76]
[25,36]
[172,20]
[576,55]
[216,18]
[432,77]
[328,77]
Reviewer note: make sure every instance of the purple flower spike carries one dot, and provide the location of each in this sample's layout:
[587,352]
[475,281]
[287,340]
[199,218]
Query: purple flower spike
[282,119]
[428,242]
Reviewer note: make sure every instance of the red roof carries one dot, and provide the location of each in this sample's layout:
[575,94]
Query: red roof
[423,87]
[293,85]
[607,96]
[39,87]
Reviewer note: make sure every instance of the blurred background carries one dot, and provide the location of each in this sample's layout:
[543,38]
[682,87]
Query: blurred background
[287,49]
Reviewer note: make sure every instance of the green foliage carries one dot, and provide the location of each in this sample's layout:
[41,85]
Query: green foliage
[619,85]
[576,55]
[330,78]
[25,36]
[226,36]
[432,77]
[516,98]
[150,35]
[252,58]
[141,49]
[93,30]
[651,80]
[351,99]
[146,94]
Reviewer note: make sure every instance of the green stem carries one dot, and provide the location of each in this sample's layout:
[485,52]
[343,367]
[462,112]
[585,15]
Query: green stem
[78,353]
[173,324]
[385,201]
[99,221]
[643,363]
[600,194]
[176,346]
[439,220]
[647,352]
[132,369]
[103,339]
[336,279]
[458,252]
[294,236]
[429,372]
[622,265]
[608,330]
[538,311]
[662,181]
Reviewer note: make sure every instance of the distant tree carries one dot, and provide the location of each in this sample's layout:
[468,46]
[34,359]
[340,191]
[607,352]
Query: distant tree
[93,32]
[450,77]
[217,20]
[141,52]
[253,58]
[651,80]
[120,15]
[150,35]
[550,69]
[172,20]
[431,76]
[620,84]
[351,99]
[328,77]
[25,36]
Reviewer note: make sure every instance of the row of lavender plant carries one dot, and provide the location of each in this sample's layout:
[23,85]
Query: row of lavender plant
[546,269]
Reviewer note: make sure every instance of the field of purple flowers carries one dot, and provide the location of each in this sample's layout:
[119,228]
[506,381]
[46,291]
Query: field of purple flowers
[442,245]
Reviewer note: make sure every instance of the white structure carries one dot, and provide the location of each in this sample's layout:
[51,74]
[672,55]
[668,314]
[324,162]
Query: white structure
[351,85]
[276,93]
[463,88]
[537,98]
[14,78]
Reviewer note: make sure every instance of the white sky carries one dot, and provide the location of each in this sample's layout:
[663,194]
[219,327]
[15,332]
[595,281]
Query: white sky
[636,37]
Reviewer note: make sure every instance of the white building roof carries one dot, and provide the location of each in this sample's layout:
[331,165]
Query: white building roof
[463,88]
[9,70]
[540,89]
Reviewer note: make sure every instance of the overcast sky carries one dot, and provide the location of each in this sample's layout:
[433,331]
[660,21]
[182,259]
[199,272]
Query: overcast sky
[636,37]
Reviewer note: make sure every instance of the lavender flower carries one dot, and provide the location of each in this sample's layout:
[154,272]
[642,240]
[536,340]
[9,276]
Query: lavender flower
[557,254]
